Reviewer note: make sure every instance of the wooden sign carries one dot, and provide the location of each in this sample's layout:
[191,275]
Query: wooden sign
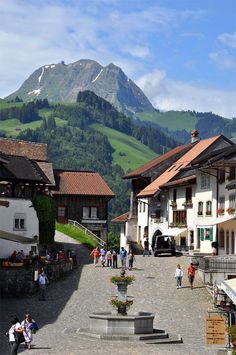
[215,330]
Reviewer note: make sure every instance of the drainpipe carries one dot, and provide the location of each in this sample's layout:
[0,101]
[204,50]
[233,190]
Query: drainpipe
[217,203]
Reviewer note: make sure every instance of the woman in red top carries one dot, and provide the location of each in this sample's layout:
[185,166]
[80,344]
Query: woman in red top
[191,274]
[95,254]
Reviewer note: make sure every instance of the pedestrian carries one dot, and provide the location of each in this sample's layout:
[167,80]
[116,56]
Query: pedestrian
[178,276]
[26,324]
[43,281]
[14,331]
[131,259]
[146,247]
[123,255]
[191,274]
[114,259]
[95,253]
[103,256]
[109,258]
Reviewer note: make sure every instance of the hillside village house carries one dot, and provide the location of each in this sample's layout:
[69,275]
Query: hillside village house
[24,170]
[83,196]
[185,198]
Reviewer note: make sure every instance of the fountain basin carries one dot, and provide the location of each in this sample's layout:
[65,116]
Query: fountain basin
[108,323]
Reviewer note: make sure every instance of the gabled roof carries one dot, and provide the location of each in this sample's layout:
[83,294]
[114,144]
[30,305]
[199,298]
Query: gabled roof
[81,183]
[158,160]
[35,151]
[121,219]
[185,160]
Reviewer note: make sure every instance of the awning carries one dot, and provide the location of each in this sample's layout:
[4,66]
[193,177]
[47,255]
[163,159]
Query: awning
[176,232]
[214,221]
[17,238]
[229,287]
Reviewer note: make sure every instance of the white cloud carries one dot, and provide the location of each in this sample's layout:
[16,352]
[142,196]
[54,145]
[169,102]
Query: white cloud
[228,39]
[166,94]
[223,59]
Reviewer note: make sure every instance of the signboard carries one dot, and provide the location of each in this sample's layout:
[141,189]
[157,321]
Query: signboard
[215,330]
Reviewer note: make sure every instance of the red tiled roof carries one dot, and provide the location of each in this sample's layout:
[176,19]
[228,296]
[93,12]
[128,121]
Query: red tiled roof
[174,169]
[180,181]
[121,219]
[156,161]
[82,183]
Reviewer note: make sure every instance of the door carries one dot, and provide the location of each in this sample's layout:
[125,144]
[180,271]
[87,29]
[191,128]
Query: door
[62,214]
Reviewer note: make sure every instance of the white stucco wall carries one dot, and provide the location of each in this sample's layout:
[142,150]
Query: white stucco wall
[7,218]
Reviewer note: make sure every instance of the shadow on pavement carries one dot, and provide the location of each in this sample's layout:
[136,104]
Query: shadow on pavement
[57,295]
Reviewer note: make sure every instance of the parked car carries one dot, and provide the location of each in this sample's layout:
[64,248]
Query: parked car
[164,244]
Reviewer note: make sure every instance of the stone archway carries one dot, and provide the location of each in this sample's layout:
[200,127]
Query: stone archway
[156,233]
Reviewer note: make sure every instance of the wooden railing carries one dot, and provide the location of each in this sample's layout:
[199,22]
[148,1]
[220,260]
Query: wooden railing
[86,231]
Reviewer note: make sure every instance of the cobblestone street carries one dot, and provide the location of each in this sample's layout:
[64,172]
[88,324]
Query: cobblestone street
[88,289]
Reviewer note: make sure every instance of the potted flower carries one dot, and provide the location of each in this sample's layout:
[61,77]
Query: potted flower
[230,210]
[232,333]
[220,211]
[122,279]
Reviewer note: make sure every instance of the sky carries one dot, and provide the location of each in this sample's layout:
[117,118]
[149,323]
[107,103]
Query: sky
[181,53]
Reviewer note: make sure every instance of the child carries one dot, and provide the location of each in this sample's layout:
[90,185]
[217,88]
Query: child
[95,254]
[179,276]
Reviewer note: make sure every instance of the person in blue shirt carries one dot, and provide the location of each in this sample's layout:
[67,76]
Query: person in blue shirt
[123,255]
[103,256]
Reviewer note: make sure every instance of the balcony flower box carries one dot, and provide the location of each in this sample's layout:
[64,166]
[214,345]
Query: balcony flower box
[230,210]
[220,211]
[173,203]
[188,203]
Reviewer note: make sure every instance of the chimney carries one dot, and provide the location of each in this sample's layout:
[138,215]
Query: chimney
[194,136]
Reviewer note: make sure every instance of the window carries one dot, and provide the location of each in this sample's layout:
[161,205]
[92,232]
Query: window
[174,195]
[205,181]
[94,212]
[222,239]
[232,201]
[188,194]
[140,206]
[179,217]
[221,176]
[144,207]
[61,211]
[200,208]
[19,221]
[208,208]
[90,213]
[85,212]
[222,203]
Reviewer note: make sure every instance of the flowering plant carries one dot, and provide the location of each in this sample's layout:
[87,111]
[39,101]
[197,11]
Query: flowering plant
[220,210]
[230,210]
[126,279]
[119,304]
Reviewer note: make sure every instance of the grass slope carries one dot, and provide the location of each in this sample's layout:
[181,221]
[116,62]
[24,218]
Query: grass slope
[173,120]
[13,126]
[76,234]
[129,152]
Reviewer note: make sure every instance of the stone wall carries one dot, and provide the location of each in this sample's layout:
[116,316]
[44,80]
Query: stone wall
[15,281]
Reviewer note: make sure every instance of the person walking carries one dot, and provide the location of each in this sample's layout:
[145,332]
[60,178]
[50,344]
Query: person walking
[14,339]
[26,324]
[191,274]
[178,276]
[123,255]
[103,256]
[131,259]
[146,247]
[109,258]
[43,281]
[95,254]
[114,259]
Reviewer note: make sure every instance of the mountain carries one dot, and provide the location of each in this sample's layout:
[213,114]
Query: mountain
[62,82]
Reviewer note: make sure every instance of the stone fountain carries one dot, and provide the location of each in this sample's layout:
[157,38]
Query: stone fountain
[123,326]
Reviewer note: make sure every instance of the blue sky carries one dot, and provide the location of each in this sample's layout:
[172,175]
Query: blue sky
[181,53]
